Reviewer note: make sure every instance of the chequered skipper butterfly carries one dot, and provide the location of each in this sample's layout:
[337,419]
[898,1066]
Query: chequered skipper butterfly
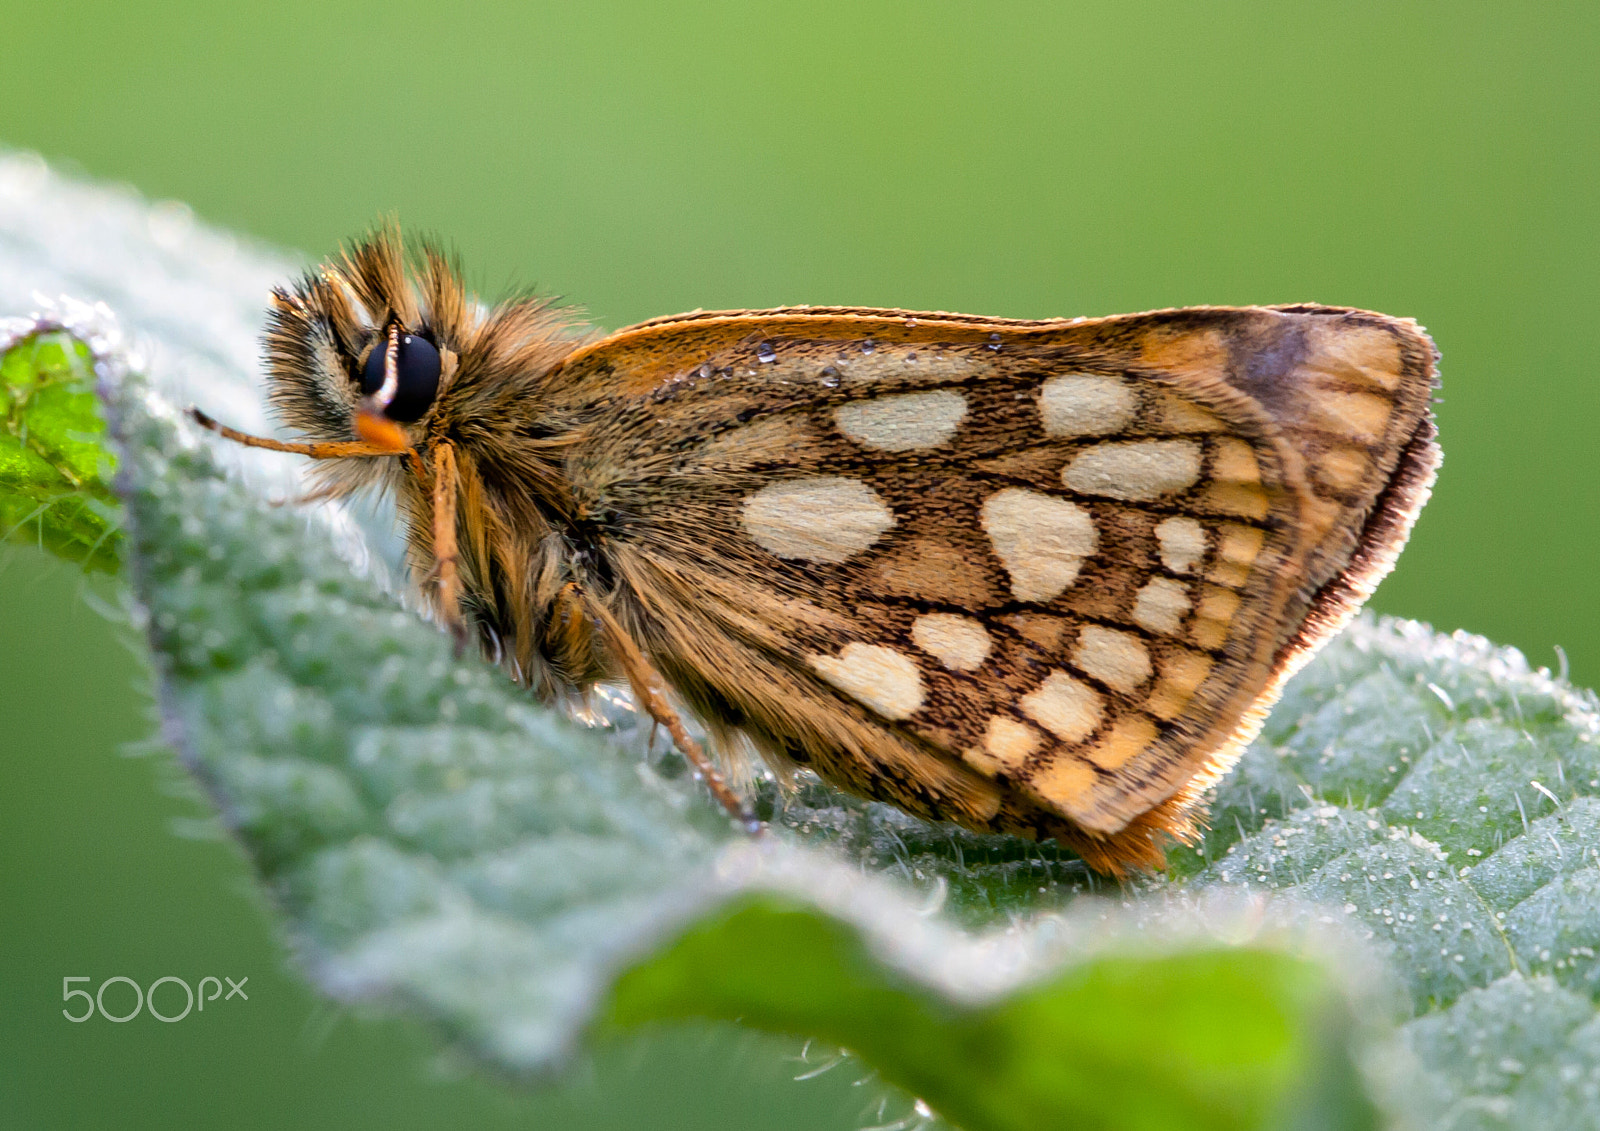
[1036,577]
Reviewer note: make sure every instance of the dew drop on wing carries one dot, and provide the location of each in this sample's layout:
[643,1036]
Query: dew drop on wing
[868,346]
[765,354]
[993,345]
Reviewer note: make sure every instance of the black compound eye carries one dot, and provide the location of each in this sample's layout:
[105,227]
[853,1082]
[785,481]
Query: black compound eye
[417,370]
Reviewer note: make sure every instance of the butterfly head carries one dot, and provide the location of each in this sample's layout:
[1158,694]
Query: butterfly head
[363,346]
[390,348]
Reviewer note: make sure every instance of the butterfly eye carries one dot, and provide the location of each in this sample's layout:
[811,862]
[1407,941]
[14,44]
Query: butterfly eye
[417,370]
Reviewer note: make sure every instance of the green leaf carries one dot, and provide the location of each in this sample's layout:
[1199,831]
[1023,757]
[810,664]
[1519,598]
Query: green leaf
[54,468]
[434,841]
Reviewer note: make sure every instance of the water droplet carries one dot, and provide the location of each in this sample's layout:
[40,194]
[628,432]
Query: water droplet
[868,346]
[911,323]
[993,345]
[912,356]
[704,370]
[830,377]
[765,354]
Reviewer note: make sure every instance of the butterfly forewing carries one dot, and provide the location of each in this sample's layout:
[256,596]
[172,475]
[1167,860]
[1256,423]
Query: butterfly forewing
[1042,577]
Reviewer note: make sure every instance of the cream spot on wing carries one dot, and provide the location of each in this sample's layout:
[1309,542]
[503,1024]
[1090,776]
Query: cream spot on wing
[1082,404]
[1040,539]
[827,519]
[959,643]
[904,423]
[1007,745]
[1161,605]
[883,679]
[1182,543]
[1068,708]
[1144,469]
[1116,659]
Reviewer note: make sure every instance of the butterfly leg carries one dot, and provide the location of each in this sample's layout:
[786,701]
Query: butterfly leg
[650,690]
[445,551]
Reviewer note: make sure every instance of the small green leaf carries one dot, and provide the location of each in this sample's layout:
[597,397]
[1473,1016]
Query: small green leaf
[1208,1036]
[54,467]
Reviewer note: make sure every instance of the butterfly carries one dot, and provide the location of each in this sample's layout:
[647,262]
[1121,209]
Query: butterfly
[1035,577]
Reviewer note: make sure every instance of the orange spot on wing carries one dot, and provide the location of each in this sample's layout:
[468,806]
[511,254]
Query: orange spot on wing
[1186,351]
[1182,673]
[1129,736]
[1067,782]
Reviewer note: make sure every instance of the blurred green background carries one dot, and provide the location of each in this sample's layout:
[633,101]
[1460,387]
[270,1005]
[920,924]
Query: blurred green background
[1425,159]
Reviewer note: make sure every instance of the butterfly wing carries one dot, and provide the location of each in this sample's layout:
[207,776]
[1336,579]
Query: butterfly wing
[1043,577]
